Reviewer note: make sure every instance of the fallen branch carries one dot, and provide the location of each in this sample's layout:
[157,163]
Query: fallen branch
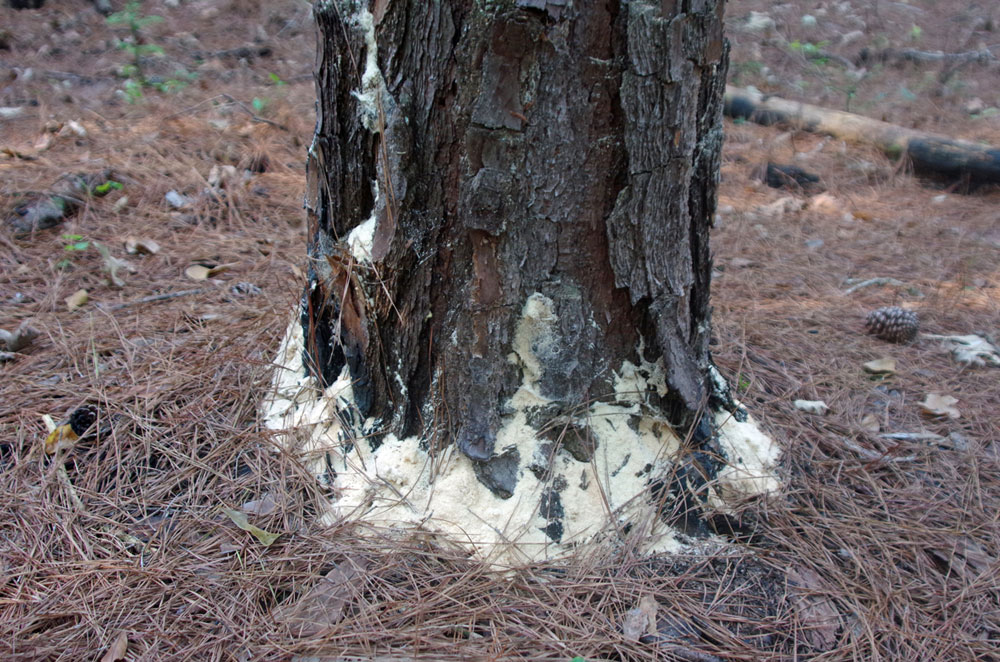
[956,159]
[867,57]
[875,456]
[874,281]
[253,116]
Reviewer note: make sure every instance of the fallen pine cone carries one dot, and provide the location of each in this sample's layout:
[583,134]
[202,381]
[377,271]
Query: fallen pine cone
[893,324]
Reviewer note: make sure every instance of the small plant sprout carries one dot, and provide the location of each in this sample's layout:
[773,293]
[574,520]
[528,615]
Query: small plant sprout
[75,243]
[137,46]
[107,187]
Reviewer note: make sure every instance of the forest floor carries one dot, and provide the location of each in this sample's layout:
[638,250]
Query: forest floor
[878,548]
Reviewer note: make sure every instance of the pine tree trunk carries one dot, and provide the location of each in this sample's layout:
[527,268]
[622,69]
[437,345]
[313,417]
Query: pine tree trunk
[512,195]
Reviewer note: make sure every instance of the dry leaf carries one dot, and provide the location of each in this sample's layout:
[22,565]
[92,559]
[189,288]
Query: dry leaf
[112,264]
[969,350]
[139,246]
[260,507]
[870,423]
[218,176]
[817,407]
[197,272]
[201,272]
[884,366]
[61,437]
[825,204]
[964,556]
[74,127]
[815,611]
[19,339]
[940,405]
[266,538]
[323,606]
[117,650]
[640,620]
[77,300]
[43,142]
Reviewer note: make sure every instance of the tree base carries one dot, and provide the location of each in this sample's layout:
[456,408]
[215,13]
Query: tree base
[611,471]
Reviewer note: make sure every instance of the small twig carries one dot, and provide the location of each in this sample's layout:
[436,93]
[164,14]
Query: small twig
[840,59]
[69,75]
[873,281]
[875,456]
[255,117]
[911,436]
[67,483]
[152,298]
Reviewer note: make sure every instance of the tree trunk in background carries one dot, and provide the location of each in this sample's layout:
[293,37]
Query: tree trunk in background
[482,170]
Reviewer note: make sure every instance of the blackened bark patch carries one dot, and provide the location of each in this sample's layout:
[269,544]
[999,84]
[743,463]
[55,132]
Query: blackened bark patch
[565,149]
[575,438]
[550,507]
[500,473]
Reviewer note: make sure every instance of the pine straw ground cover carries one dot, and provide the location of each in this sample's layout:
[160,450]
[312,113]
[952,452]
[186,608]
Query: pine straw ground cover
[875,550]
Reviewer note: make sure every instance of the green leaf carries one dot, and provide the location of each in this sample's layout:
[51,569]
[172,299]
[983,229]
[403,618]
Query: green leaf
[133,90]
[276,79]
[258,104]
[149,49]
[240,520]
[72,237]
[148,20]
[107,187]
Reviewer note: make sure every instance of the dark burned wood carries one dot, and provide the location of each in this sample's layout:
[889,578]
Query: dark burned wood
[569,149]
[929,153]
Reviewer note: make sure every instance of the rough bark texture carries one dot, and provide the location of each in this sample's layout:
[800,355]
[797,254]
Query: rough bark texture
[516,147]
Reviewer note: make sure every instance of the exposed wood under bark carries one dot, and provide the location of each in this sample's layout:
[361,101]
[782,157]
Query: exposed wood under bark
[929,153]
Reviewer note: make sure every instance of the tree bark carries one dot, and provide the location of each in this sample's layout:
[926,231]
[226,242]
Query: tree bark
[482,167]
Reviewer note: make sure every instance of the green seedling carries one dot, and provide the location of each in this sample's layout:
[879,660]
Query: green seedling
[810,50]
[75,243]
[107,187]
[276,79]
[137,46]
[133,18]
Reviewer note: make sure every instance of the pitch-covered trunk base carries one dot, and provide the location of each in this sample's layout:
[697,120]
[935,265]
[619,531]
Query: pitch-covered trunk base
[506,322]
[610,473]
